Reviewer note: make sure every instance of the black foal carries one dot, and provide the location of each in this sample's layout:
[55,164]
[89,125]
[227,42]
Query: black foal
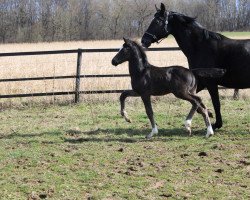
[147,80]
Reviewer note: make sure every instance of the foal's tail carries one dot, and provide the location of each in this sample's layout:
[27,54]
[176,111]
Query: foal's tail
[209,72]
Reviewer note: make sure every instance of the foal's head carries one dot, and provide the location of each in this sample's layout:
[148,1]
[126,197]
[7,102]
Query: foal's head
[129,51]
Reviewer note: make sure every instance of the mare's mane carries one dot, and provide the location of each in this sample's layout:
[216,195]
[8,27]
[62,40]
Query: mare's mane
[191,21]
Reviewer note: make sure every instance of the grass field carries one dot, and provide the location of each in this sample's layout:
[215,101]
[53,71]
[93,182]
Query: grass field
[88,151]
[240,35]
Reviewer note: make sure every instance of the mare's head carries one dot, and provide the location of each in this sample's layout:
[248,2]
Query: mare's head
[163,25]
[130,50]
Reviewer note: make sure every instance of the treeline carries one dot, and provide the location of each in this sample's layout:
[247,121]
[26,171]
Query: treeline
[67,20]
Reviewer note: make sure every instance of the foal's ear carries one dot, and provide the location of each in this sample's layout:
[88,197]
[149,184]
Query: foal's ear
[127,41]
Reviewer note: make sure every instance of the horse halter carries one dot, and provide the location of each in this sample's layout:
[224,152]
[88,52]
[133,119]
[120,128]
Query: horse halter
[165,28]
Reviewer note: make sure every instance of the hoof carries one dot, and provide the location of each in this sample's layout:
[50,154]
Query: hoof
[148,137]
[153,132]
[128,120]
[188,130]
[124,114]
[209,135]
[188,126]
[210,132]
[216,126]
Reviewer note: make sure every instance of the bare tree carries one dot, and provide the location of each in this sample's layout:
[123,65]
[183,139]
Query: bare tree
[57,20]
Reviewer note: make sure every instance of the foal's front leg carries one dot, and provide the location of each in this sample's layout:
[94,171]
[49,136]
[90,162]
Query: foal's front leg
[124,95]
[149,111]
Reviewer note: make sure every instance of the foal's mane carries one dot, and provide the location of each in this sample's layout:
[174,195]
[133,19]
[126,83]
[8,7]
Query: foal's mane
[137,47]
[192,21]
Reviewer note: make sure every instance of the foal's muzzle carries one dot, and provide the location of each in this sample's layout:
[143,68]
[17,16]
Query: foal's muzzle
[114,62]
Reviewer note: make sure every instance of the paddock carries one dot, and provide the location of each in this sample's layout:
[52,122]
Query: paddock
[52,148]
[88,151]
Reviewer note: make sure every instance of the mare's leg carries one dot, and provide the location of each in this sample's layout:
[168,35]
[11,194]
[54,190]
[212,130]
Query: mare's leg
[124,95]
[214,93]
[200,87]
[147,103]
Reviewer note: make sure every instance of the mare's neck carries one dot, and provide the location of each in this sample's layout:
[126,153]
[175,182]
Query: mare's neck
[184,37]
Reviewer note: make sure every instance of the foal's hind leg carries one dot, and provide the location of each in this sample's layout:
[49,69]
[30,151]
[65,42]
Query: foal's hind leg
[196,104]
[187,96]
[200,88]
[210,114]
[210,131]
[189,118]
[123,97]
[203,110]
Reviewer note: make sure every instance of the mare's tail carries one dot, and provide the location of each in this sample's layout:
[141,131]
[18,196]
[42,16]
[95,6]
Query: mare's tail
[209,72]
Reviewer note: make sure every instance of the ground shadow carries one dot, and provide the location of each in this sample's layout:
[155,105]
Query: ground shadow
[129,135]
[30,135]
[126,135]
[131,132]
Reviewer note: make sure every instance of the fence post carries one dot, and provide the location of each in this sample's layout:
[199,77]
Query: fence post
[78,75]
[236,95]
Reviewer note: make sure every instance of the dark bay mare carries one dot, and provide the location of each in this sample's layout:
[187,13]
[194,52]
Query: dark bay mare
[204,49]
[147,80]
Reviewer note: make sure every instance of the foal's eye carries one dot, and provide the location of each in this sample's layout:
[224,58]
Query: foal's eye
[126,48]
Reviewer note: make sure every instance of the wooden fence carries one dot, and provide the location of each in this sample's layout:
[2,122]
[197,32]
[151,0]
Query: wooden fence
[77,77]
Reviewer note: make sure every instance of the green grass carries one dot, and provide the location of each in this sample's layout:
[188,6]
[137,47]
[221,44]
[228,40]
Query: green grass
[88,151]
[236,34]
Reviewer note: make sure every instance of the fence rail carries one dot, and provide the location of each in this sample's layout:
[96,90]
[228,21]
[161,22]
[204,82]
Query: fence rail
[77,77]
[32,53]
